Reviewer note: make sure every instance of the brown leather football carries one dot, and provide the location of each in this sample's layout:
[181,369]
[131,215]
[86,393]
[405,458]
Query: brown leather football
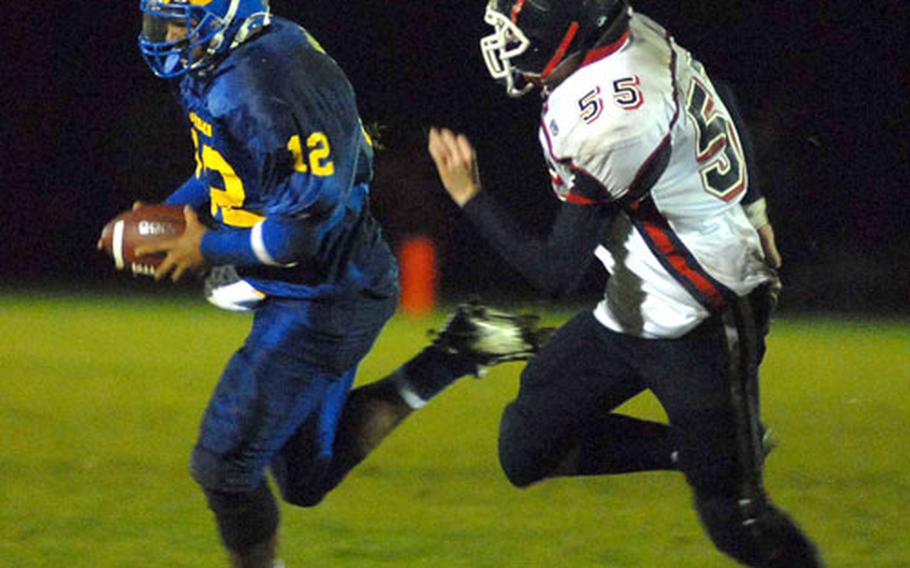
[145,225]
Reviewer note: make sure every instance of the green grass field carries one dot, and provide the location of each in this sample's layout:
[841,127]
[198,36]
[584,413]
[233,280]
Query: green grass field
[100,399]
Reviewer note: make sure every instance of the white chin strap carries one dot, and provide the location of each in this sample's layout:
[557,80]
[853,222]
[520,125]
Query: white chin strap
[516,92]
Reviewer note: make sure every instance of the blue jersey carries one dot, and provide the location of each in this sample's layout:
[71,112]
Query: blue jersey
[284,164]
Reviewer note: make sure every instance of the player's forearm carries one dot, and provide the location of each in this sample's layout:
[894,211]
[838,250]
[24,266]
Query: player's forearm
[753,201]
[193,192]
[757,212]
[753,190]
[276,241]
[554,265]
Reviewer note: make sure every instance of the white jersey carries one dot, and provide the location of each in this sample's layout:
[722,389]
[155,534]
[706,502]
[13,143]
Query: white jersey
[640,123]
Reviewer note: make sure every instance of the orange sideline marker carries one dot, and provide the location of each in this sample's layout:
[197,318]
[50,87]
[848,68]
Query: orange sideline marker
[418,276]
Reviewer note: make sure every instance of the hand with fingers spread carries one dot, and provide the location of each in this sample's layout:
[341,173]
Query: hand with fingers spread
[456,162]
[184,253]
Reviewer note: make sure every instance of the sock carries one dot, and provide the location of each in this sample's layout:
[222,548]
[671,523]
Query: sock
[429,373]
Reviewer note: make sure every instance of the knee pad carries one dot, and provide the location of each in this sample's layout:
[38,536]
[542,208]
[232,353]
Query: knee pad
[244,519]
[756,533]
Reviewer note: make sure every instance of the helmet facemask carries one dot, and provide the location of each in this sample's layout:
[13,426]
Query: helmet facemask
[533,38]
[180,37]
[505,43]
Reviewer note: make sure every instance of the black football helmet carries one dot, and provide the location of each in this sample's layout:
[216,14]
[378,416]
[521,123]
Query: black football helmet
[532,37]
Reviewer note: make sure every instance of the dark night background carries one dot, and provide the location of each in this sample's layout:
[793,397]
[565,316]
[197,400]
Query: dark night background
[825,85]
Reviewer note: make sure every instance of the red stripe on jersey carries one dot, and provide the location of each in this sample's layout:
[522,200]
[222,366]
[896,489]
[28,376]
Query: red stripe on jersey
[678,259]
[516,9]
[576,199]
[599,53]
[560,51]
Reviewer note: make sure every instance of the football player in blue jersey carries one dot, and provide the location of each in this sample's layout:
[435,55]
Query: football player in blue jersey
[284,167]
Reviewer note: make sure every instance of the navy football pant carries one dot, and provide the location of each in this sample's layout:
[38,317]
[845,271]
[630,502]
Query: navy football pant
[706,382]
[279,400]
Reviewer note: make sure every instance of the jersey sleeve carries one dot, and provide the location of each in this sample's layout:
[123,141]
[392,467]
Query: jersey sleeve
[275,241]
[193,192]
[553,264]
[753,202]
[726,94]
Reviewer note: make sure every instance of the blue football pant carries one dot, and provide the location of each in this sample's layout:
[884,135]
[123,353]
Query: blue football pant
[280,398]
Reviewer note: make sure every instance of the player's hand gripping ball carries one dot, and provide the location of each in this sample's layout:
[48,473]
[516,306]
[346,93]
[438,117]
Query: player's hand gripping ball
[144,225]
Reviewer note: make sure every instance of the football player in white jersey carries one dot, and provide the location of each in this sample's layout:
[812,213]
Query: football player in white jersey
[649,165]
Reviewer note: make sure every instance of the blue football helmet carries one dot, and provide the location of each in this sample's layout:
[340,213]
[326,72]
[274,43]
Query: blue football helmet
[184,35]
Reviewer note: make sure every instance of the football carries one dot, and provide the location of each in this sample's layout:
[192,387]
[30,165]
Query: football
[131,229]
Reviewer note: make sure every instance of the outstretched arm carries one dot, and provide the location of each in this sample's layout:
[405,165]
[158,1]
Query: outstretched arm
[554,264]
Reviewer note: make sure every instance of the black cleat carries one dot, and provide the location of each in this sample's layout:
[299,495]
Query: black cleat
[488,337]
